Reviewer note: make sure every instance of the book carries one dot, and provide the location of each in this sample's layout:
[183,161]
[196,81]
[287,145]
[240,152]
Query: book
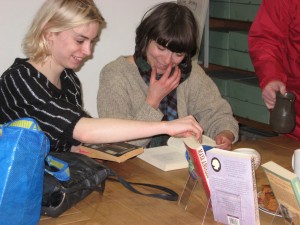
[199,160]
[171,156]
[117,152]
[232,187]
[168,157]
[286,188]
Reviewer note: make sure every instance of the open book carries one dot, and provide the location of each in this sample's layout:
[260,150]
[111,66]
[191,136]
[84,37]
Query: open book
[286,188]
[232,187]
[171,156]
[118,152]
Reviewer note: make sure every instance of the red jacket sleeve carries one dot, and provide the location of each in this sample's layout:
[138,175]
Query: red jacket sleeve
[268,40]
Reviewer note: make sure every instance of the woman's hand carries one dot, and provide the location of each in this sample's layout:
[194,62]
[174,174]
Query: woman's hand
[269,92]
[224,139]
[184,127]
[158,89]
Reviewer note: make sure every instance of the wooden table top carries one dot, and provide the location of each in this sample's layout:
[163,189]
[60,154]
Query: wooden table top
[119,206]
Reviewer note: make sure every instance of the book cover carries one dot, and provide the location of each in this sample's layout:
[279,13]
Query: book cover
[198,157]
[233,187]
[117,152]
[171,156]
[286,188]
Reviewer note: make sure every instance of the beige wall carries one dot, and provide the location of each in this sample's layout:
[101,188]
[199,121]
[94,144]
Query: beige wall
[122,17]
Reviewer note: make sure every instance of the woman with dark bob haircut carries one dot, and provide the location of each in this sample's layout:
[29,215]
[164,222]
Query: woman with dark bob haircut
[177,34]
[160,82]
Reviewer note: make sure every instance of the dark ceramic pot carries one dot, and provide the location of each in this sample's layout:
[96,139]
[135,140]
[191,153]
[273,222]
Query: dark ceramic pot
[283,117]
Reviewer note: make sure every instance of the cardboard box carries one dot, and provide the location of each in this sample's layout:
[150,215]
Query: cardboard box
[249,110]
[251,2]
[218,56]
[233,11]
[238,40]
[246,90]
[222,78]
[243,12]
[240,60]
[219,9]
[219,39]
[243,93]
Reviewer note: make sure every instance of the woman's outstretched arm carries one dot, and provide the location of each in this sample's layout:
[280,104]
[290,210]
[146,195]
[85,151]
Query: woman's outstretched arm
[105,130]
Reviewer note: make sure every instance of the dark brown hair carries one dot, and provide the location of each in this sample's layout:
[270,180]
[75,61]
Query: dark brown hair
[170,25]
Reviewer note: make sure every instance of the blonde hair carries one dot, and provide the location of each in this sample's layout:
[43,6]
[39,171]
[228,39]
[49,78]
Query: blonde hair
[57,16]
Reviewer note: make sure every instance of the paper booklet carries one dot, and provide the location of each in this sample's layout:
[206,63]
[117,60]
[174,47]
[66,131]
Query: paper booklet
[171,156]
[286,188]
[232,187]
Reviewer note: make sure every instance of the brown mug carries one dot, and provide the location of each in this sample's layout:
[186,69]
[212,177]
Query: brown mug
[282,116]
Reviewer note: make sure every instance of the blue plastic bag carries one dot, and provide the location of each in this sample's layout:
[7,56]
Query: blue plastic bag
[23,147]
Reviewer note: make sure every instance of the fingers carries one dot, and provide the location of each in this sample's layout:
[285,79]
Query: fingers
[176,75]
[184,127]
[224,139]
[188,134]
[195,129]
[268,99]
[172,74]
[269,93]
[198,129]
[224,143]
[153,75]
[168,81]
[282,90]
[167,74]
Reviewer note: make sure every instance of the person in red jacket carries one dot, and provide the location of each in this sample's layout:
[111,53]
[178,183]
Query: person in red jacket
[274,47]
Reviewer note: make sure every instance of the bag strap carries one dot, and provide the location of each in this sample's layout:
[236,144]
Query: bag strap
[99,189]
[63,171]
[169,194]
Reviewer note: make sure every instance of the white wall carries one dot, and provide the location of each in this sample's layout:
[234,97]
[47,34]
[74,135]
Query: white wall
[122,17]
